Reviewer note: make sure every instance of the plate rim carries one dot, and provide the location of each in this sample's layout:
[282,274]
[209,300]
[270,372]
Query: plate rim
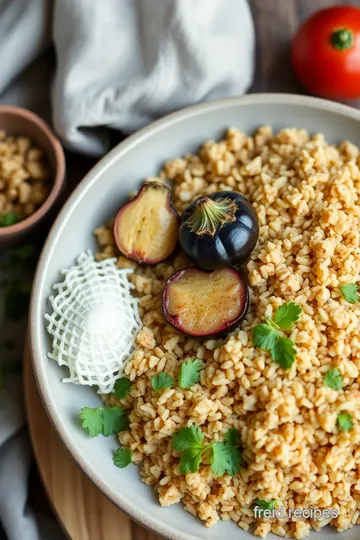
[136,513]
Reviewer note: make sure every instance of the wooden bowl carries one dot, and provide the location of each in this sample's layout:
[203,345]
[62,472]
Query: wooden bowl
[18,121]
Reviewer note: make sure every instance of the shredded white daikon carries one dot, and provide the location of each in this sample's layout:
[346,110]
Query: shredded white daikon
[94,322]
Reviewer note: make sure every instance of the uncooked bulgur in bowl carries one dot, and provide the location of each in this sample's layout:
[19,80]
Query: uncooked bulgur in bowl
[32,172]
[297,423]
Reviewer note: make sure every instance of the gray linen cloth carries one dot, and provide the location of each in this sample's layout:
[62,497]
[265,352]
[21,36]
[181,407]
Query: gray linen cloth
[119,65]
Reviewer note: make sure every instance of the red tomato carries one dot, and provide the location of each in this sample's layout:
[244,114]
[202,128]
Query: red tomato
[326,52]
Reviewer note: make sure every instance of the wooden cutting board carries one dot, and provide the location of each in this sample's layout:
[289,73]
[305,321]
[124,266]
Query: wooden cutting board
[83,511]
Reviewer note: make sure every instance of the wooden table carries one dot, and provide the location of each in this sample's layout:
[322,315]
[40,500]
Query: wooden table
[83,511]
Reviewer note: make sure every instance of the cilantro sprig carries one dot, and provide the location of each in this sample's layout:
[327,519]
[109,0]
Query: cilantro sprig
[189,373]
[224,457]
[344,422]
[8,219]
[122,457]
[269,336]
[161,382]
[103,420]
[333,379]
[350,292]
[122,388]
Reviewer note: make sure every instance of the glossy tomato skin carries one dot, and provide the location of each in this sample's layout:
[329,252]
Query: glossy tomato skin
[322,68]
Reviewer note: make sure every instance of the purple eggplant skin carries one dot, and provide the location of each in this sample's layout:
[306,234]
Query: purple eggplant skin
[221,234]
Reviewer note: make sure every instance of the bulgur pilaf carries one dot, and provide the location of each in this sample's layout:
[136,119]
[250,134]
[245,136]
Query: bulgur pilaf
[24,176]
[306,195]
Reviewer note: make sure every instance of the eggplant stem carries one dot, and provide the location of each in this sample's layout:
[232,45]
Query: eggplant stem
[209,215]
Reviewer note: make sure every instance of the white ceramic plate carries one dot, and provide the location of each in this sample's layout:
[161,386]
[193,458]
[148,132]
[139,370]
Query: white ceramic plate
[94,201]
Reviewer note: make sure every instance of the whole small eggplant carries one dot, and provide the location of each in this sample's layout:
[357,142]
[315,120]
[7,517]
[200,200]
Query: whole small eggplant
[219,230]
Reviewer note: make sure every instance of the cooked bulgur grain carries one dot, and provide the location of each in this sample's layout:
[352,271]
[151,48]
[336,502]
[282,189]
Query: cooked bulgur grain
[23,176]
[307,197]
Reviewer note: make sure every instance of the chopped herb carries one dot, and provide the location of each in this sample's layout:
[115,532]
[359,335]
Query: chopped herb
[225,457]
[350,292]
[161,381]
[333,379]
[122,457]
[286,315]
[122,388]
[264,505]
[8,219]
[104,420]
[265,337]
[189,373]
[268,337]
[344,422]
[284,352]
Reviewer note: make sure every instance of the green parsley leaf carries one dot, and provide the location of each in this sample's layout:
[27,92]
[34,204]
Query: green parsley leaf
[219,459]
[190,460]
[114,420]
[350,292]
[333,379]
[104,420]
[226,456]
[92,420]
[188,437]
[122,388]
[161,381]
[122,457]
[286,315]
[284,352]
[344,422]
[189,373]
[265,337]
[264,505]
[189,440]
[8,219]
[232,437]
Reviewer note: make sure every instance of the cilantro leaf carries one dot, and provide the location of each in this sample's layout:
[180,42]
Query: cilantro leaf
[264,505]
[104,420]
[286,315]
[122,388]
[161,381]
[189,440]
[190,460]
[188,437]
[344,422]
[114,420]
[265,337]
[333,379]
[8,219]
[92,420]
[350,292]
[284,352]
[232,437]
[189,373]
[219,459]
[122,457]
[226,456]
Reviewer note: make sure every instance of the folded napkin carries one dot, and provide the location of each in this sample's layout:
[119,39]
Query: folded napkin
[121,64]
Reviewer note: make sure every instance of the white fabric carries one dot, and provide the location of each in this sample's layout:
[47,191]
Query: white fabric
[121,64]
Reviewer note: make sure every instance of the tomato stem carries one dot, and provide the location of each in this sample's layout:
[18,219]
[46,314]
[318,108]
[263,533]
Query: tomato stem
[210,215]
[342,39]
